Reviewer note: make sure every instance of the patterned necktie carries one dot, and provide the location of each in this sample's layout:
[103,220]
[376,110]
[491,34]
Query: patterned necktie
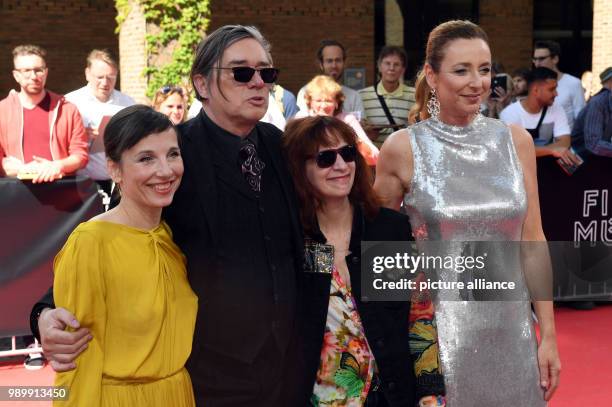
[250,164]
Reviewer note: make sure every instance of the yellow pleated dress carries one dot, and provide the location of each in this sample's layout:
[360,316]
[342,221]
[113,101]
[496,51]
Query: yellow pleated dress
[129,288]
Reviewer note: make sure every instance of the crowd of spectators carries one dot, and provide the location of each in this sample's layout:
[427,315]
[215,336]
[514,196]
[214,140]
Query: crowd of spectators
[45,150]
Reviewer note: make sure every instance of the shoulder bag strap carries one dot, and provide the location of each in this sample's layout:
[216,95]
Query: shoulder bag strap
[384,106]
[537,129]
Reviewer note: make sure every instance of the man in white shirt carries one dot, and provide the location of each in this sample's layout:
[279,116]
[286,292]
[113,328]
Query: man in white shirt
[569,88]
[98,99]
[542,118]
[332,58]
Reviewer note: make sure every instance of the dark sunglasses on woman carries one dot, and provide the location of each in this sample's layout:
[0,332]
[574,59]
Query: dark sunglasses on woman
[327,158]
[244,74]
[169,88]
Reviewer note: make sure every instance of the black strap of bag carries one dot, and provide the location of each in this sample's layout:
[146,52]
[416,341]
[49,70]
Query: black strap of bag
[384,106]
[542,118]
[535,133]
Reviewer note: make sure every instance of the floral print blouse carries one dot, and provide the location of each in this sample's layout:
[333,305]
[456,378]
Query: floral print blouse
[347,363]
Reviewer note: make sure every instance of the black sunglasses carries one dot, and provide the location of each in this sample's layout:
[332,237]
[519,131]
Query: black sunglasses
[327,158]
[244,74]
[169,88]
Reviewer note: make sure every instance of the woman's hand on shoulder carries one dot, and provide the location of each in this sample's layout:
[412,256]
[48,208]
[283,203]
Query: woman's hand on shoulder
[394,169]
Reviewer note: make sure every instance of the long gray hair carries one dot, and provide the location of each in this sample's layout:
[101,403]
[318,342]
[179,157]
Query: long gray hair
[210,50]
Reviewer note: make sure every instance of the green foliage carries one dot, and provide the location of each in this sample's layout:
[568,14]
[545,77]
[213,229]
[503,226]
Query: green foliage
[182,23]
[123,9]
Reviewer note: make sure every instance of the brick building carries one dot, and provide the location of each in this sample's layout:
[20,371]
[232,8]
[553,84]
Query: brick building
[294,29]
[512,25]
[70,28]
[602,36]
[67,29]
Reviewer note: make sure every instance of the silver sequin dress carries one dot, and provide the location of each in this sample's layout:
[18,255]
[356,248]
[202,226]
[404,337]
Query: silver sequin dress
[468,185]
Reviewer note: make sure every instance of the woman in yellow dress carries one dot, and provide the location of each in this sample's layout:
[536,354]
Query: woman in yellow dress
[126,281]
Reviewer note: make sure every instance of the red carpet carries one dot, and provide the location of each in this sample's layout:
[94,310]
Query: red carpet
[585,344]
[12,374]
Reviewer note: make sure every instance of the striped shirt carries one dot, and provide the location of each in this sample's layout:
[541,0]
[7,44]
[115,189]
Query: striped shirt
[399,103]
[594,124]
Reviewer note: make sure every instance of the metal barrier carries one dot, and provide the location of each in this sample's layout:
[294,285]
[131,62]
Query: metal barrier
[577,209]
[36,220]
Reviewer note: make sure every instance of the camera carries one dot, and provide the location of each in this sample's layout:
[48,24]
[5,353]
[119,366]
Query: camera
[500,80]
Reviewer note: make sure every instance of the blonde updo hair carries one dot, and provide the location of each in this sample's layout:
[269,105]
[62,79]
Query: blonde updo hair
[437,42]
[324,85]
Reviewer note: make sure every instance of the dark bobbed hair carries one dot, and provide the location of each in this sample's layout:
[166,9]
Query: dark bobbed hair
[392,50]
[329,43]
[301,142]
[540,74]
[552,46]
[130,125]
[437,43]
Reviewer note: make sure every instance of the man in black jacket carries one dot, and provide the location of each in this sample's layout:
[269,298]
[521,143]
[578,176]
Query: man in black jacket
[235,218]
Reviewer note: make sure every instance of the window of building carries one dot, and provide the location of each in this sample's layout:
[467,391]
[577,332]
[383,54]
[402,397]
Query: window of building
[570,23]
[420,17]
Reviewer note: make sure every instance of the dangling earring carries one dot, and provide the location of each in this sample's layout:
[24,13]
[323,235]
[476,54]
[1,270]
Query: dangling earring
[433,105]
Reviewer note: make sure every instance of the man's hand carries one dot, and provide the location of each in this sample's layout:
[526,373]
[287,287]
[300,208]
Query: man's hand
[550,367]
[497,101]
[565,154]
[48,171]
[12,166]
[59,346]
[501,94]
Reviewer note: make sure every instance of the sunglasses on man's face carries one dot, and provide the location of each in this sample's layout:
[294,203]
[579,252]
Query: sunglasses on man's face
[244,74]
[327,158]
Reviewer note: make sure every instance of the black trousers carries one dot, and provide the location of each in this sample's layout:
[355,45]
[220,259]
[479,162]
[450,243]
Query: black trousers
[376,398]
[221,381]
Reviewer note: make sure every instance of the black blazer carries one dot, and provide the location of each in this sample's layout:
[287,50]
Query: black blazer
[192,217]
[385,323]
[196,229]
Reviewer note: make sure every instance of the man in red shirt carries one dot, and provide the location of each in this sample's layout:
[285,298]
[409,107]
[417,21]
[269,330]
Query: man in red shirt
[41,134]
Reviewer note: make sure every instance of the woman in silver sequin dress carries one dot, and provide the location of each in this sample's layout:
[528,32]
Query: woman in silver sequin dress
[463,177]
